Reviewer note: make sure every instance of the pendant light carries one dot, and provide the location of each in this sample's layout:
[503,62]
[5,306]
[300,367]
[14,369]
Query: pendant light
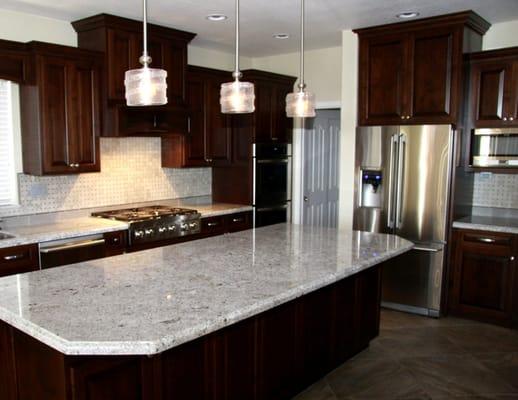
[301,104]
[145,86]
[237,97]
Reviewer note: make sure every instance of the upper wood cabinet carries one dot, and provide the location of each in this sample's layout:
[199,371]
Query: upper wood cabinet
[269,123]
[61,110]
[208,140]
[121,40]
[410,73]
[493,88]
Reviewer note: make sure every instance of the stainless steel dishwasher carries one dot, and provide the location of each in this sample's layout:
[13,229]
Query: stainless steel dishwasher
[69,251]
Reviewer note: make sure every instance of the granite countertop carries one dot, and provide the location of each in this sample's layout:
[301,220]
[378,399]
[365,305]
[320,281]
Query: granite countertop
[153,300]
[488,223]
[75,227]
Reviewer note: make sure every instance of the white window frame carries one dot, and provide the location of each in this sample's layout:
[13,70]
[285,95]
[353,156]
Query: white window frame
[13,145]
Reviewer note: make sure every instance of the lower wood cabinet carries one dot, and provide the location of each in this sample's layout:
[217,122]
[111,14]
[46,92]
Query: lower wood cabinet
[229,223]
[484,277]
[273,355]
[19,259]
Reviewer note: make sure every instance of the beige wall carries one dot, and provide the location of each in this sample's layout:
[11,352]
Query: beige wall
[26,27]
[323,71]
[204,57]
[503,34]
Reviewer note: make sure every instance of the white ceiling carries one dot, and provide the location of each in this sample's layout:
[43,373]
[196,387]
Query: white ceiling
[260,19]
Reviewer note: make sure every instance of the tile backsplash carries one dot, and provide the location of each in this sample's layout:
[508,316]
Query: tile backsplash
[130,173]
[496,190]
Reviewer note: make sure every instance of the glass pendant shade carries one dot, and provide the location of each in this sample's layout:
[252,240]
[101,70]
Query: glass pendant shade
[146,87]
[237,97]
[300,104]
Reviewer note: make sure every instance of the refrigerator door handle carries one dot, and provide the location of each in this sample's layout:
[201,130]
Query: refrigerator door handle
[390,205]
[400,178]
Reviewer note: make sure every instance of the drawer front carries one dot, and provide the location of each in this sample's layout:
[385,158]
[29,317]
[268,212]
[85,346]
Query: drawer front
[15,260]
[239,221]
[488,239]
[115,242]
[213,225]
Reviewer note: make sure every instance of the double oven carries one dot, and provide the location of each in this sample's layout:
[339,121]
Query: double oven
[272,183]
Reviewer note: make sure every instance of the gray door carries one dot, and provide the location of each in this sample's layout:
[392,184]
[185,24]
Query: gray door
[320,169]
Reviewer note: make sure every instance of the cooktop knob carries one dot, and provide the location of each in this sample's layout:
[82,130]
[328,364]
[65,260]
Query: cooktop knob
[149,232]
[171,228]
[193,225]
[139,234]
[184,227]
[162,229]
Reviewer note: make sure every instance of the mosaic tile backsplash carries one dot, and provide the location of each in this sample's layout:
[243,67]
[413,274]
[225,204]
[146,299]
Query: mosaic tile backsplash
[496,190]
[130,173]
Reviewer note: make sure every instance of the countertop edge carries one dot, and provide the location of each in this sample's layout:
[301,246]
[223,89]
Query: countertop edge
[484,227]
[154,347]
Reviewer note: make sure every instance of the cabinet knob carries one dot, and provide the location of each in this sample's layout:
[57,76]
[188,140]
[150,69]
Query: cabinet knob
[408,117]
[511,119]
[511,258]
[402,117]
[505,118]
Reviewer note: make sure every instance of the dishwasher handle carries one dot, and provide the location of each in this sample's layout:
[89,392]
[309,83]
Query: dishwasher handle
[72,245]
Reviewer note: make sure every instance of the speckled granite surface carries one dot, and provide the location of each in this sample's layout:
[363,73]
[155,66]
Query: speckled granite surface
[73,227]
[488,223]
[150,301]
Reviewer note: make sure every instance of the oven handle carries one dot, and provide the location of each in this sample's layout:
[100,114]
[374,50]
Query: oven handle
[273,161]
[72,245]
[265,209]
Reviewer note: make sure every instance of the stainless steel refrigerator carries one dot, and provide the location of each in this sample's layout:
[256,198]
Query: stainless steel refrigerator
[403,179]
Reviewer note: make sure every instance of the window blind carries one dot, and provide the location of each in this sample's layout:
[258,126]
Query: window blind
[8,180]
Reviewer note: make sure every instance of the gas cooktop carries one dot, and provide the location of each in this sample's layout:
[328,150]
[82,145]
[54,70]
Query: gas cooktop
[143,213]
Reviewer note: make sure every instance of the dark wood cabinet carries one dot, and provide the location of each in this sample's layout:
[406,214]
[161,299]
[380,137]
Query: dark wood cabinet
[19,259]
[228,223]
[493,88]
[61,110]
[269,121]
[121,41]
[410,73]
[14,66]
[208,140]
[484,275]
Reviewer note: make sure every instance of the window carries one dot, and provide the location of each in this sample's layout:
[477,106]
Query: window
[8,159]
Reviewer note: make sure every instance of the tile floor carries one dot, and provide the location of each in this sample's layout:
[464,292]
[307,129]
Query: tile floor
[421,358]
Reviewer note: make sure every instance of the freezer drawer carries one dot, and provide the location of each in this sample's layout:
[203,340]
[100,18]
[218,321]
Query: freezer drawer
[412,282]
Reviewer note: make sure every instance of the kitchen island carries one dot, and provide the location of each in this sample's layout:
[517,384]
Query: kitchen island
[256,314]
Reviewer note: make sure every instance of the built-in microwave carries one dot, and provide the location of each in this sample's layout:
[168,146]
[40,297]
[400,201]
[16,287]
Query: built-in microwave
[495,148]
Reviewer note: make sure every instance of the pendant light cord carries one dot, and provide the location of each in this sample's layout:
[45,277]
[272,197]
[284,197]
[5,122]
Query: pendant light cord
[237,74]
[302,84]
[145,60]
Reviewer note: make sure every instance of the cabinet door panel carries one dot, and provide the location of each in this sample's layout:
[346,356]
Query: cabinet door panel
[122,55]
[195,141]
[382,83]
[218,128]
[264,104]
[282,125]
[434,87]
[513,95]
[56,75]
[490,88]
[85,112]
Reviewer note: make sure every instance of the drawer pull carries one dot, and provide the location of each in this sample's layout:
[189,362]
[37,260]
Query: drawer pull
[486,240]
[512,258]
[72,245]
[237,220]
[14,257]
[211,224]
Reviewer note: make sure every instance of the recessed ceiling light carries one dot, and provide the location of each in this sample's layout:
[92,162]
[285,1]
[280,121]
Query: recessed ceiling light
[408,15]
[216,17]
[281,36]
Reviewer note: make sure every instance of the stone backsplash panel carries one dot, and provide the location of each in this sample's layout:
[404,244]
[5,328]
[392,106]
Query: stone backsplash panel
[496,190]
[131,172]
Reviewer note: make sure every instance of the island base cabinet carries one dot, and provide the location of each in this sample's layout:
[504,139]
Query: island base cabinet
[273,355]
